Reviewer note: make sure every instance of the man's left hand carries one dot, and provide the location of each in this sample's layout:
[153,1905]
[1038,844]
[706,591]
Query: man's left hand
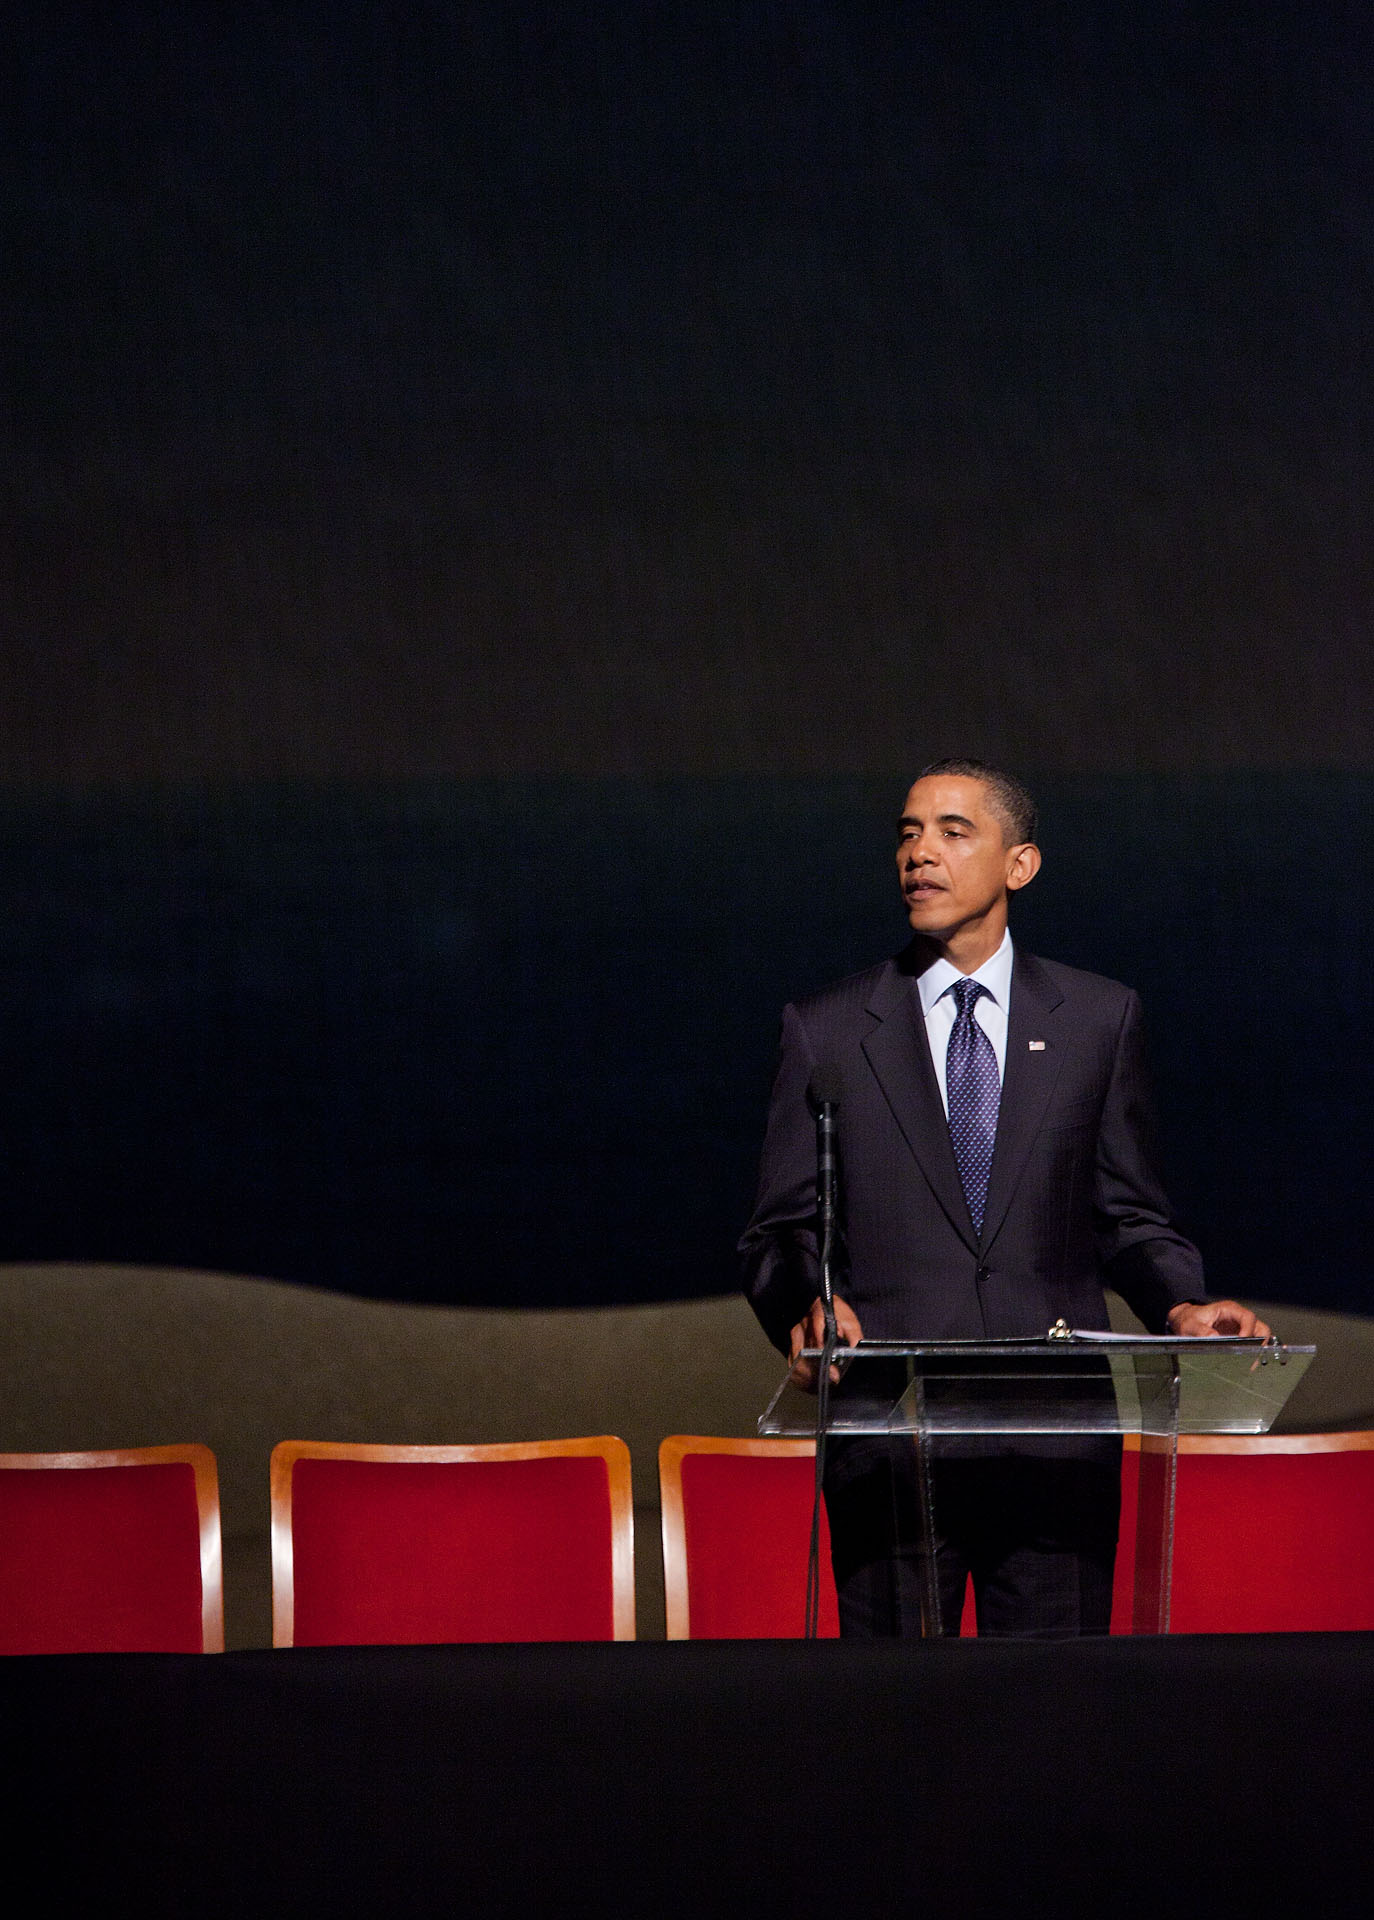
[1217,1317]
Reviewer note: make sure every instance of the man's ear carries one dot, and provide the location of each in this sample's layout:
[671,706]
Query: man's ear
[1023,863]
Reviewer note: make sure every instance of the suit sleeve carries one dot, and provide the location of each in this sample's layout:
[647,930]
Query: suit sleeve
[1143,1255]
[780,1248]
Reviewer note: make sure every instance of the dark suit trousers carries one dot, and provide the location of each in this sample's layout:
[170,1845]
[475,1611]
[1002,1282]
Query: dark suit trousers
[1036,1531]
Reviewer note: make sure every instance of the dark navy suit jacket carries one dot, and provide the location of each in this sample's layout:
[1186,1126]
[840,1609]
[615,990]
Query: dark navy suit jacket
[1074,1201]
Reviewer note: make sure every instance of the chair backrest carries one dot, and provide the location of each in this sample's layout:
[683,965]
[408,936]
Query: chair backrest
[736,1533]
[111,1552]
[397,1545]
[1272,1533]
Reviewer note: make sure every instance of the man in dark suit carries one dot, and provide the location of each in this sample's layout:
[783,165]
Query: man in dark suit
[997,1172]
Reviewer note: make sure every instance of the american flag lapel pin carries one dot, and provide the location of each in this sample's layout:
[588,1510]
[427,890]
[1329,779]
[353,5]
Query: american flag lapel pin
[1037,1046]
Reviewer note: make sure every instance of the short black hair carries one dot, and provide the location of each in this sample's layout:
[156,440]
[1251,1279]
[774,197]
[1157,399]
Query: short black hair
[1008,799]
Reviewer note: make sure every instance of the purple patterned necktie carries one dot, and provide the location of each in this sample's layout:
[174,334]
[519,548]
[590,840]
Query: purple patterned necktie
[974,1090]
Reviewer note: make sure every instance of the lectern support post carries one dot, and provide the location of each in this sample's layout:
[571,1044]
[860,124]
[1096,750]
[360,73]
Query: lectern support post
[925,1481]
[1157,1490]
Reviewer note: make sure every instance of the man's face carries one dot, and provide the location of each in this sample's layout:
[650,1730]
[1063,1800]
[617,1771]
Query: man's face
[953,863]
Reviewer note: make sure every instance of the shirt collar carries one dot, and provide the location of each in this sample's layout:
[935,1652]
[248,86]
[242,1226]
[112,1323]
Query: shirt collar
[994,975]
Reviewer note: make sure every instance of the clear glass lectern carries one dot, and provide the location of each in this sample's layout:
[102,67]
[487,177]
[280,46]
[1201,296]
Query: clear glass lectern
[988,1396]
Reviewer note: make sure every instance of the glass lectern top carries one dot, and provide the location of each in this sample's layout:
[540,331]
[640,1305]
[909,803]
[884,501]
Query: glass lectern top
[1079,1384]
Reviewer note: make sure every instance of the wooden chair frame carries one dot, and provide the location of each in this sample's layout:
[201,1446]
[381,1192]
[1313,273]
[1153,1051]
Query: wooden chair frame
[1261,1443]
[602,1446]
[671,1453]
[202,1461]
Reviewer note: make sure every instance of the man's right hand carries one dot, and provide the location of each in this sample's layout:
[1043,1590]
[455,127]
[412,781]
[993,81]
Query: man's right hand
[810,1332]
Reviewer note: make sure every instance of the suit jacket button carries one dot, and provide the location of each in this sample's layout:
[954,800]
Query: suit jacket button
[982,1276]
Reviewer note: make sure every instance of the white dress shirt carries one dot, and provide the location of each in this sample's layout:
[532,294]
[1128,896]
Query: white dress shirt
[989,1009]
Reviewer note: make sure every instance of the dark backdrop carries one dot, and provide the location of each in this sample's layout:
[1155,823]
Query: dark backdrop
[498,499]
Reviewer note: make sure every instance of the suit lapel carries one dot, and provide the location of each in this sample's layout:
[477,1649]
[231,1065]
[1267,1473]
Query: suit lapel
[899,1055]
[1027,1083]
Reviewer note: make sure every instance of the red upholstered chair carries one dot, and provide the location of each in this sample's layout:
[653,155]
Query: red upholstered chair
[736,1534]
[736,1531]
[1272,1533]
[111,1552]
[397,1545]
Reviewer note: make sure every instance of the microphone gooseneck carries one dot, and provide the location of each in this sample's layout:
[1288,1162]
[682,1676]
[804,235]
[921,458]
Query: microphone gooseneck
[825,1100]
